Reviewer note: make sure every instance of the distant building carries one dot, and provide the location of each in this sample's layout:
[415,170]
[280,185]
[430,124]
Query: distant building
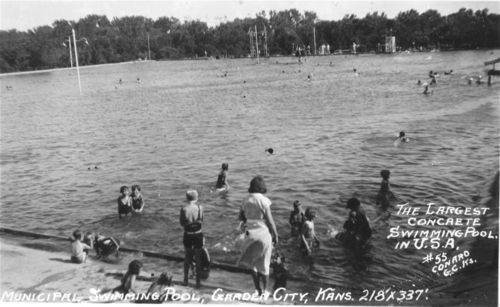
[390,44]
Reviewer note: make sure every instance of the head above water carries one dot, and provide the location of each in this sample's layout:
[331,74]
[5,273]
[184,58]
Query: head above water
[297,204]
[191,195]
[402,134]
[136,187]
[385,173]
[310,214]
[135,267]
[124,188]
[257,185]
[353,204]
[225,166]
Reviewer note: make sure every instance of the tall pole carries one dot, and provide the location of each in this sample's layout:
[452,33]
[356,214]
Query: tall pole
[265,40]
[76,61]
[314,36]
[257,44]
[149,51]
[70,52]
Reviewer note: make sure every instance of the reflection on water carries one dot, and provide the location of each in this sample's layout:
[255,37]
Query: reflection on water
[331,137]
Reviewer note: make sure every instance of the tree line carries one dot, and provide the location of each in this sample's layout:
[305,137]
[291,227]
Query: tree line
[136,37]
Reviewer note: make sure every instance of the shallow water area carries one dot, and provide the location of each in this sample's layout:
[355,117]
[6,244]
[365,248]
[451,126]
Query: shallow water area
[331,136]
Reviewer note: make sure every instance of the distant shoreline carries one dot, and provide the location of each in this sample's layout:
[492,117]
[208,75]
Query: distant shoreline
[17,73]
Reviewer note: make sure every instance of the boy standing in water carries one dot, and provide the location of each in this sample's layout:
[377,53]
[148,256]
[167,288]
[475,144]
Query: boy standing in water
[137,201]
[296,218]
[307,235]
[124,201]
[222,178]
[191,218]
[385,193]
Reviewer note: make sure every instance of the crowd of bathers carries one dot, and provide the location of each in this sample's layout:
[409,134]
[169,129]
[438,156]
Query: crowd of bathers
[256,226]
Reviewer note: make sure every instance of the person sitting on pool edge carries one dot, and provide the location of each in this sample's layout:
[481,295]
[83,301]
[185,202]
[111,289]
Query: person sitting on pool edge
[222,178]
[79,250]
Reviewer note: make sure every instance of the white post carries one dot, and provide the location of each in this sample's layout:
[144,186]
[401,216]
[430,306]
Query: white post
[76,61]
[257,43]
[314,35]
[149,51]
[70,52]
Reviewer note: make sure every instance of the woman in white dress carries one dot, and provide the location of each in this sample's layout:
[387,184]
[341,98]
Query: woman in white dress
[260,233]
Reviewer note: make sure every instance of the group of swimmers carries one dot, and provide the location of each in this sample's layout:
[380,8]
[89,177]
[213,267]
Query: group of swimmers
[355,234]
[130,203]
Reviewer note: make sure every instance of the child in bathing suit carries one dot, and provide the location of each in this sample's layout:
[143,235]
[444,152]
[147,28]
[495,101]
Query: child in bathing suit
[124,201]
[308,236]
[137,201]
[222,178]
[79,250]
[385,193]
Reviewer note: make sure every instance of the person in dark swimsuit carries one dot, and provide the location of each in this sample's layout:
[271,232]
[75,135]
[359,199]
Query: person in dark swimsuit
[124,201]
[357,229]
[137,201]
[191,218]
[296,219]
[222,178]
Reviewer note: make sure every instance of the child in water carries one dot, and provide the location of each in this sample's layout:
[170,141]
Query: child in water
[124,201]
[136,199]
[128,281]
[307,235]
[79,250]
[401,139]
[222,178]
[385,193]
[296,218]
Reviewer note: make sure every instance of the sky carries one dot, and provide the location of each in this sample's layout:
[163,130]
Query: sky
[24,15]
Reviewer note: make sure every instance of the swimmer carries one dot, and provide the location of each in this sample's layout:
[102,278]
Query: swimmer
[433,80]
[426,89]
[296,219]
[357,229]
[448,72]
[401,139]
[385,193]
[124,201]
[137,201]
[138,80]
[307,234]
[120,81]
[469,81]
[479,81]
[419,82]
[270,151]
[222,178]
